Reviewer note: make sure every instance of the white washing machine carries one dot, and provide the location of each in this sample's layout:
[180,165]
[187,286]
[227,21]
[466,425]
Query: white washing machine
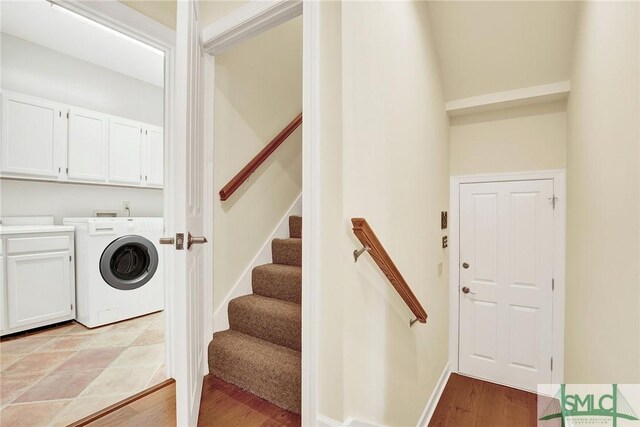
[119,271]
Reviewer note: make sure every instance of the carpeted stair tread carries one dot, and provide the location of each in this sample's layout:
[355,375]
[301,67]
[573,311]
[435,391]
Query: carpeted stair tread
[269,319]
[287,251]
[267,370]
[278,281]
[295,227]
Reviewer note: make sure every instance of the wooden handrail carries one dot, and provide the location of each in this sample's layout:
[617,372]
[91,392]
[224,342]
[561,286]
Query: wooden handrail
[259,159]
[368,238]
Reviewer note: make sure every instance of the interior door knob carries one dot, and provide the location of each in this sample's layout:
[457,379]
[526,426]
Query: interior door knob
[465,265]
[466,290]
[191,240]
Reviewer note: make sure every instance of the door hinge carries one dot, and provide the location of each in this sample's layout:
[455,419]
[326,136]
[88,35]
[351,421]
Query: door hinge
[69,257]
[67,170]
[67,115]
[552,363]
[59,113]
[554,200]
[553,284]
[71,306]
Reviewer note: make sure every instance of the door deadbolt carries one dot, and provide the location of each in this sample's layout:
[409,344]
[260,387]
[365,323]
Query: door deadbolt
[465,265]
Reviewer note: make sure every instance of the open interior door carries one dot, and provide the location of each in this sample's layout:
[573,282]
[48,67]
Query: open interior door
[186,223]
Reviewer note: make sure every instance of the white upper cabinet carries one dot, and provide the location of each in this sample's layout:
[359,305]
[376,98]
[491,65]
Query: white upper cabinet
[33,136]
[87,149]
[125,151]
[46,140]
[154,158]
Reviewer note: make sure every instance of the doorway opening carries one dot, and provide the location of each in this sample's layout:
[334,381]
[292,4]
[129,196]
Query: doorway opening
[82,207]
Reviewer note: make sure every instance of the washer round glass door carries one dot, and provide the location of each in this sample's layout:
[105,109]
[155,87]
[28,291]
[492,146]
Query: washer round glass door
[128,262]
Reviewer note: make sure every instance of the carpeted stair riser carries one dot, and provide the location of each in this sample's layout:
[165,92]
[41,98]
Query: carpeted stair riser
[261,350]
[269,371]
[287,251]
[295,227]
[278,281]
[269,319]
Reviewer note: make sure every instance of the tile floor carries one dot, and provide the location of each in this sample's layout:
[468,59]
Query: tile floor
[60,375]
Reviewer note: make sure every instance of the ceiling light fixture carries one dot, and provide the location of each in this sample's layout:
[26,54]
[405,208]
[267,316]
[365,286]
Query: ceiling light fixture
[109,30]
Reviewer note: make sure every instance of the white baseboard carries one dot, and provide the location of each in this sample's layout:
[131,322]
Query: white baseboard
[328,422]
[428,411]
[349,422]
[243,284]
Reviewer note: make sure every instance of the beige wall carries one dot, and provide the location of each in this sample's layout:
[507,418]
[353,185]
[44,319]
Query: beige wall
[258,91]
[517,139]
[212,10]
[163,11]
[603,166]
[389,164]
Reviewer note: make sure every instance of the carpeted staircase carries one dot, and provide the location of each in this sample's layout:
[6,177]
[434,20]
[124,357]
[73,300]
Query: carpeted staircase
[260,352]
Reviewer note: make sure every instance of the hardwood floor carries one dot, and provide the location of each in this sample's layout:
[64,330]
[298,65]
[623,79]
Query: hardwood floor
[465,402]
[223,404]
[468,402]
[154,409]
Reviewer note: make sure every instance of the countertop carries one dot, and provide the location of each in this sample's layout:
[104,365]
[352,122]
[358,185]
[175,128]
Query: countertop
[30,229]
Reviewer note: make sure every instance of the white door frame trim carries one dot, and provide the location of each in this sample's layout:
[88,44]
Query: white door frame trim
[311,209]
[559,185]
[248,21]
[244,23]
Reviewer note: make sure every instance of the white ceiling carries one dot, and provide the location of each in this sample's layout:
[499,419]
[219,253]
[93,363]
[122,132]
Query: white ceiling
[40,23]
[487,46]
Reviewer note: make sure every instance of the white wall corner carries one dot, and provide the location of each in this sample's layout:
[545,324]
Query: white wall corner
[243,284]
[430,408]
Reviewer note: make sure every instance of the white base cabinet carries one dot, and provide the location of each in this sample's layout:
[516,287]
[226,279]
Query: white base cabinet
[38,280]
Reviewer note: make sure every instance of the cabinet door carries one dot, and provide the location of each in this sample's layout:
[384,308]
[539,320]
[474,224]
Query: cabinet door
[154,174]
[87,150]
[33,136]
[38,287]
[125,147]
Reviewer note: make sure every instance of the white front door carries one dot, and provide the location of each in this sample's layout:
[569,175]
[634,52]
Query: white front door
[186,204]
[506,272]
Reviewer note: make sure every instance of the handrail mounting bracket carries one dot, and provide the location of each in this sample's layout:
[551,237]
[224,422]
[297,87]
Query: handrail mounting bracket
[358,252]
